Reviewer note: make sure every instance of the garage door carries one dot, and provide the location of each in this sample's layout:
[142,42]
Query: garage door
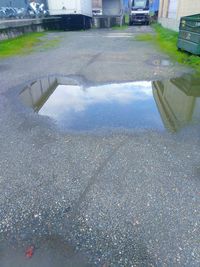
[172,9]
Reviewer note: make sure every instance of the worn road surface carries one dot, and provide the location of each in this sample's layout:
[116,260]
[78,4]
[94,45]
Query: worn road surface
[127,198]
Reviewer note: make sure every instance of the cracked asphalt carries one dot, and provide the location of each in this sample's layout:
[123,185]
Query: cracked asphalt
[125,198]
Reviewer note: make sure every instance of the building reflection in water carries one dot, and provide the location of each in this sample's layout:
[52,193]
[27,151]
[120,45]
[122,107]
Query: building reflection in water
[37,93]
[178,101]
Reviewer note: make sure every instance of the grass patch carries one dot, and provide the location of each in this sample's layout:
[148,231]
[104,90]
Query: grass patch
[126,19]
[123,27]
[166,41]
[144,37]
[20,45]
[26,44]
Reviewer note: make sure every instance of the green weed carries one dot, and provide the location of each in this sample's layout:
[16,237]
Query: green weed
[123,27]
[20,45]
[166,41]
[26,44]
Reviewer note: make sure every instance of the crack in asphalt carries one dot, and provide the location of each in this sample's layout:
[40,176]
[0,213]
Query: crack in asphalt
[94,179]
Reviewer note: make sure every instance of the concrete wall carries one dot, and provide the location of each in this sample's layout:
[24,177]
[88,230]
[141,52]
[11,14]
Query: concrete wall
[112,7]
[13,28]
[184,8]
[171,24]
[97,4]
[112,13]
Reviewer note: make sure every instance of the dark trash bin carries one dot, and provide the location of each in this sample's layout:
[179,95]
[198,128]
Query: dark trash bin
[189,34]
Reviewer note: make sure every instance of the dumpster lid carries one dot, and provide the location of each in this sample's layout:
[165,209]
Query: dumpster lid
[195,17]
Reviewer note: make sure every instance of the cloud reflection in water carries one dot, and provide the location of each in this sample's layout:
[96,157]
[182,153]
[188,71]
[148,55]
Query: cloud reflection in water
[125,105]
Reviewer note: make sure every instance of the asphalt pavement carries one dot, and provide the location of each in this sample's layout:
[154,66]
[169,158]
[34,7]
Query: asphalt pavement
[120,198]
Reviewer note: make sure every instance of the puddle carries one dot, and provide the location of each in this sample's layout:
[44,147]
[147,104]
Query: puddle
[169,104]
[160,62]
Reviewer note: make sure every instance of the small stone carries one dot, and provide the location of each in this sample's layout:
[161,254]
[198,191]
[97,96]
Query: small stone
[67,209]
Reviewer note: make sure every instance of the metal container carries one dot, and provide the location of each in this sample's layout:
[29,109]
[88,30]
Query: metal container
[189,34]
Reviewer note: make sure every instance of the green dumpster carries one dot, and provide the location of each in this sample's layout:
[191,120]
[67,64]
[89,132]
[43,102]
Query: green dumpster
[189,34]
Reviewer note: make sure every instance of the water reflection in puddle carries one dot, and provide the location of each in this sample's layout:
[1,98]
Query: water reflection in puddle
[167,104]
[178,101]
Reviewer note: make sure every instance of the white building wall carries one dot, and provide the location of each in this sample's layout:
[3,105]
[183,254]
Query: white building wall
[171,11]
[188,7]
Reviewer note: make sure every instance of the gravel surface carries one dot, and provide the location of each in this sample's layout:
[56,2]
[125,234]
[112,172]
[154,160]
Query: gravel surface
[127,198]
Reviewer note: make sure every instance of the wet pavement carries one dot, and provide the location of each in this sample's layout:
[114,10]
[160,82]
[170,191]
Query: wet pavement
[46,252]
[71,193]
